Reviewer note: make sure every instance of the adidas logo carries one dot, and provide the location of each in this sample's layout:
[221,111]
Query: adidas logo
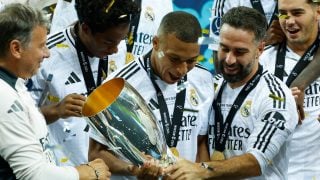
[15,107]
[73,78]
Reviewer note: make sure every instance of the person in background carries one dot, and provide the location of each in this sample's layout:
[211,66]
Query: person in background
[142,28]
[254,112]
[25,151]
[287,60]
[268,8]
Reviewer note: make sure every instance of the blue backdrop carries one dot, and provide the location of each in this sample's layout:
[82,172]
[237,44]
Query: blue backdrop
[202,10]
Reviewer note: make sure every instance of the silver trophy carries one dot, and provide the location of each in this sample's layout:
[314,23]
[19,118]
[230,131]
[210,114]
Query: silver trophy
[118,114]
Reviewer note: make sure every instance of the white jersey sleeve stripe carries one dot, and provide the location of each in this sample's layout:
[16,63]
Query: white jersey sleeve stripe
[124,71]
[277,91]
[274,129]
[133,71]
[53,36]
[266,133]
[56,40]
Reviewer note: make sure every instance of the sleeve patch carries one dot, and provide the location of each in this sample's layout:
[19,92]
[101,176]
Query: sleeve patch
[275,118]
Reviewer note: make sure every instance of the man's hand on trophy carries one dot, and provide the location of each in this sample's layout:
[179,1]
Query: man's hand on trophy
[151,169]
[95,169]
[71,105]
[187,170]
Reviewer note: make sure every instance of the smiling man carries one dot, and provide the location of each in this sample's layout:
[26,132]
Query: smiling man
[299,21]
[254,112]
[77,65]
[177,89]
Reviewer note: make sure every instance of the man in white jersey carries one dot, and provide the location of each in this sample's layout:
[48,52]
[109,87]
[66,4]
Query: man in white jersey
[274,35]
[168,77]
[78,63]
[254,112]
[299,22]
[25,148]
[147,22]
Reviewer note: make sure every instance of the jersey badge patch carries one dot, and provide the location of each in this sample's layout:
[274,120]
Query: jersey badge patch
[246,108]
[112,66]
[194,97]
[149,14]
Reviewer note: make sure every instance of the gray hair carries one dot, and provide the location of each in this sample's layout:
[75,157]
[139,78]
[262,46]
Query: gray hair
[17,21]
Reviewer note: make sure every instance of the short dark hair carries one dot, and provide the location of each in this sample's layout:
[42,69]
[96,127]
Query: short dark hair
[17,21]
[100,15]
[185,26]
[247,19]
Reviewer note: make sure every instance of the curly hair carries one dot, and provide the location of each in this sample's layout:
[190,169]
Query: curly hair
[100,15]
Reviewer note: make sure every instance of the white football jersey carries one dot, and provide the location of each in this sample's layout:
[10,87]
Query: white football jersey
[59,76]
[25,144]
[262,126]
[151,15]
[199,96]
[220,7]
[63,16]
[304,162]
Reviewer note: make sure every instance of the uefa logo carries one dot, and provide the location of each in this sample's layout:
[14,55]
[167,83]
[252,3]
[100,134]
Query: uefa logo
[215,25]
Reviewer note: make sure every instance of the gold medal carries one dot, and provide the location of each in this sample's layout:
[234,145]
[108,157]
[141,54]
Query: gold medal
[129,57]
[175,151]
[217,156]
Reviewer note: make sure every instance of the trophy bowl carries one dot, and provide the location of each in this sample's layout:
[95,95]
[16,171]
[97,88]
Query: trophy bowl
[118,114]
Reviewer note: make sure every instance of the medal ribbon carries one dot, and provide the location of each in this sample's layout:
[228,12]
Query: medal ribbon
[302,63]
[171,129]
[221,130]
[85,64]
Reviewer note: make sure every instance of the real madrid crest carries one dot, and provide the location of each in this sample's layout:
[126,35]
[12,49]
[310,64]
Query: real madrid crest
[246,108]
[194,97]
[112,66]
[149,13]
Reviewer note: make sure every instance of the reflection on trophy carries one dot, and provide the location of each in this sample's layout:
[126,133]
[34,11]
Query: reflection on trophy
[118,113]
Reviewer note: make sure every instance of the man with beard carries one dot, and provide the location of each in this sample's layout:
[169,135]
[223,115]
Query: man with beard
[299,22]
[255,113]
